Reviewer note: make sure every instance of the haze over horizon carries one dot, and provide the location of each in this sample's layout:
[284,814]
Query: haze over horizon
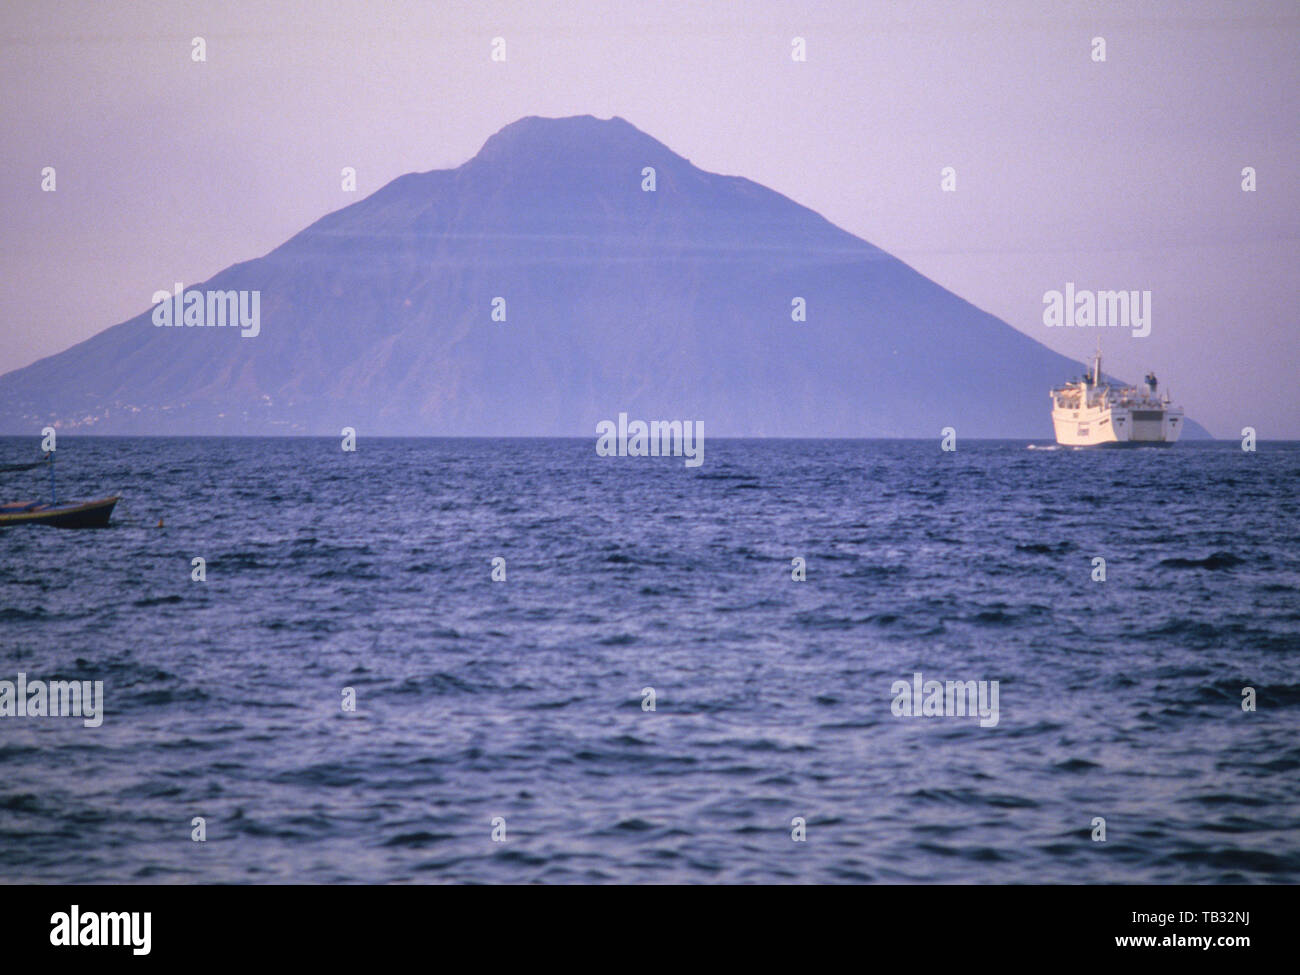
[1116,175]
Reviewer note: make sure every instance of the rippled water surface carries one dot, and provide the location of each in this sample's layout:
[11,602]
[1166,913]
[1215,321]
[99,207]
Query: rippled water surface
[522,699]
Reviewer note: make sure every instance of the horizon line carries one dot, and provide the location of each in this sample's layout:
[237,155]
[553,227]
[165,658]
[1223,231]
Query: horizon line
[437,436]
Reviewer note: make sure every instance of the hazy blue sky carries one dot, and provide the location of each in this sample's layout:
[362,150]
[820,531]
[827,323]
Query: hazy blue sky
[1117,175]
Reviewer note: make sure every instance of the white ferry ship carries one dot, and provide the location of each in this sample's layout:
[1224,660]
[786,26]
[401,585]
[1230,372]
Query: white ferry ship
[1088,413]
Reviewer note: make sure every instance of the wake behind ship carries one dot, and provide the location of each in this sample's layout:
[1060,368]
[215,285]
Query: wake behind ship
[1089,413]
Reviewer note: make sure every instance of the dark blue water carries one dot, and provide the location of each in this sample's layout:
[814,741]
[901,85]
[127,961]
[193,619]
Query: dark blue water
[522,699]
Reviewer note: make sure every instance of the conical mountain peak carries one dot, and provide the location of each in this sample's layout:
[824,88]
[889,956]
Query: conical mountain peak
[538,137]
[547,284]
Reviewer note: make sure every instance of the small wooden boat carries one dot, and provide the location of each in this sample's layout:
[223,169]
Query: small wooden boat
[64,514]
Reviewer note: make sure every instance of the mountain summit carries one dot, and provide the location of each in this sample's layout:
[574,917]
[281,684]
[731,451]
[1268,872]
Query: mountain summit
[670,303]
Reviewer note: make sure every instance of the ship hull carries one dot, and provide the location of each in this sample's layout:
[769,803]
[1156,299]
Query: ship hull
[1112,427]
[1124,444]
[71,514]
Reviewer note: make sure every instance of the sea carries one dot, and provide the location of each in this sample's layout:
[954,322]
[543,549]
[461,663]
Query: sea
[516,661]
